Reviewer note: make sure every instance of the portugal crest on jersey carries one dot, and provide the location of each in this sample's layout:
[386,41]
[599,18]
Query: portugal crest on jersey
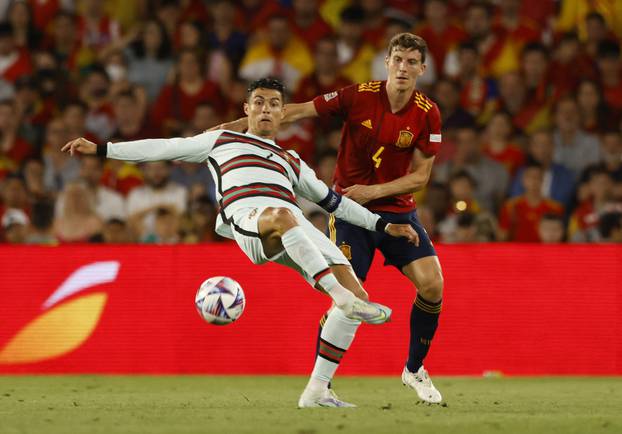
[405,139]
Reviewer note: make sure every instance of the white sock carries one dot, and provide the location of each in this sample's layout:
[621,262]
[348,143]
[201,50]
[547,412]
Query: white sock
[336,337]
[307,256]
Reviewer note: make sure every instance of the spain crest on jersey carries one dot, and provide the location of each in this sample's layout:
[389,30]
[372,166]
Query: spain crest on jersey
[346,249]
[405,139]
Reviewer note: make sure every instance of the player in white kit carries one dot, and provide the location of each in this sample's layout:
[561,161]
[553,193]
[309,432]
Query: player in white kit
[257,183]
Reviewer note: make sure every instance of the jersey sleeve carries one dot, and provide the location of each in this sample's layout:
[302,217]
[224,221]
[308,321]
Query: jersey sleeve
[429,141]
[193,149]
[311,188]
[335,104]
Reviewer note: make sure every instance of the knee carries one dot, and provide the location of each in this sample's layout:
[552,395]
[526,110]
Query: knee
[432,288]
[281,219]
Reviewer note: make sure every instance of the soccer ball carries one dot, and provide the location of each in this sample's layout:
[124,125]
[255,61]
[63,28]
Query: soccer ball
[220,300]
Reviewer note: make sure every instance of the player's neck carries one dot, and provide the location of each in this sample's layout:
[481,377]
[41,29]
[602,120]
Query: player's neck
[262,134]
[398,98]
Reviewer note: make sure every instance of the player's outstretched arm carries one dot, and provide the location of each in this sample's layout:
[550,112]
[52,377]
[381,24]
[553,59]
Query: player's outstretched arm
[295,112]
[238,126]
[194,149]
[310,187]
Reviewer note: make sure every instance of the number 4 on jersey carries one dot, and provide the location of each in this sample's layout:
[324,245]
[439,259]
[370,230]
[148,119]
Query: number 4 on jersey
[376,158]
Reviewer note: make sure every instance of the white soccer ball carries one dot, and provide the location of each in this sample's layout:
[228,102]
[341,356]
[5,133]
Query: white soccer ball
[220,300]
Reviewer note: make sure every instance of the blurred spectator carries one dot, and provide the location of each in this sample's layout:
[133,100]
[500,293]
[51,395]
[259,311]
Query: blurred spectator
[65,45]
[14,62]
[224,36]
[491,177]
[76,221]
[375,20]
[94,93]
[437,200]
[558,183]
[306,22]
[596,32]
[115,231]
[499,144]
[177,101]
[466,229]
[60,167]
[25,34]
[520,216]
[253,15]
[12,146]
[149,57]
[74,118]
[95,28]
[478,92]
[447,97]
[354,53]
[33,171]
[158,192]
[439,32]
[535,68]
[42,225]
[574,148]
[596,198]
[166,227]
[596,115]
[499,55]
[514,98]
[462,189]
[15,224]
[551,229]
[205,117]
[197,224]
[129,116]
[519,29]
[608,58]
[168,12]
[281,55]
[326,76]
[611,150]
[14,195]
[107,203]
[610,227]
[571,64]
[573,14]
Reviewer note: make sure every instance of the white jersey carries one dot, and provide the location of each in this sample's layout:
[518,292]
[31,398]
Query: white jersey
[249,171]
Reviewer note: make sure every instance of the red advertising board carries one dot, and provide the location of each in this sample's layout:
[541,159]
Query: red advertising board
[518,309]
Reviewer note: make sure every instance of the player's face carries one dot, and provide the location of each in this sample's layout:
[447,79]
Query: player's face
[403,67]
[265,112]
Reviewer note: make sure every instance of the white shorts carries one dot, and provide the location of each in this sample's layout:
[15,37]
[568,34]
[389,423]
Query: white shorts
[246,234]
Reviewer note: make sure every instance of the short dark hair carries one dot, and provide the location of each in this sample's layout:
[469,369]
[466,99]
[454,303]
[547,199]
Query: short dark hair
[267,83]
[408,41]
[609,222]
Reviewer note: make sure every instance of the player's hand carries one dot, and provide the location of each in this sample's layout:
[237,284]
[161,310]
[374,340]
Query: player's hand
[403,230]
[361,193]
[80,145]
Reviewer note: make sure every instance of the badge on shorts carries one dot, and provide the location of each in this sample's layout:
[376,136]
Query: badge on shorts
[346,250]
[252,213]
[405,139]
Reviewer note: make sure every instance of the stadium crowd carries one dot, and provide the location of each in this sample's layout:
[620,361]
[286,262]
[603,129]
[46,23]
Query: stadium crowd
[530,94]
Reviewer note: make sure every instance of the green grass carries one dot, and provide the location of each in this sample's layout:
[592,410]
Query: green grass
[202,404]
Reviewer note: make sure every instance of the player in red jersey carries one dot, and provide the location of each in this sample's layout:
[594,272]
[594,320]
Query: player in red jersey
[390,137]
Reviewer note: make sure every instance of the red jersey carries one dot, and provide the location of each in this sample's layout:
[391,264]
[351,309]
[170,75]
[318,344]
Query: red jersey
[377,145]
[521,219]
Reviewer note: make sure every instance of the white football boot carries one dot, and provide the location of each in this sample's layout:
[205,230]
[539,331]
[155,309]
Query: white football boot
[366,311]
[325,398]
[421,382]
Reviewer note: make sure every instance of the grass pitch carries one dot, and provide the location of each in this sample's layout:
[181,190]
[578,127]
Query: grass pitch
[204,404]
